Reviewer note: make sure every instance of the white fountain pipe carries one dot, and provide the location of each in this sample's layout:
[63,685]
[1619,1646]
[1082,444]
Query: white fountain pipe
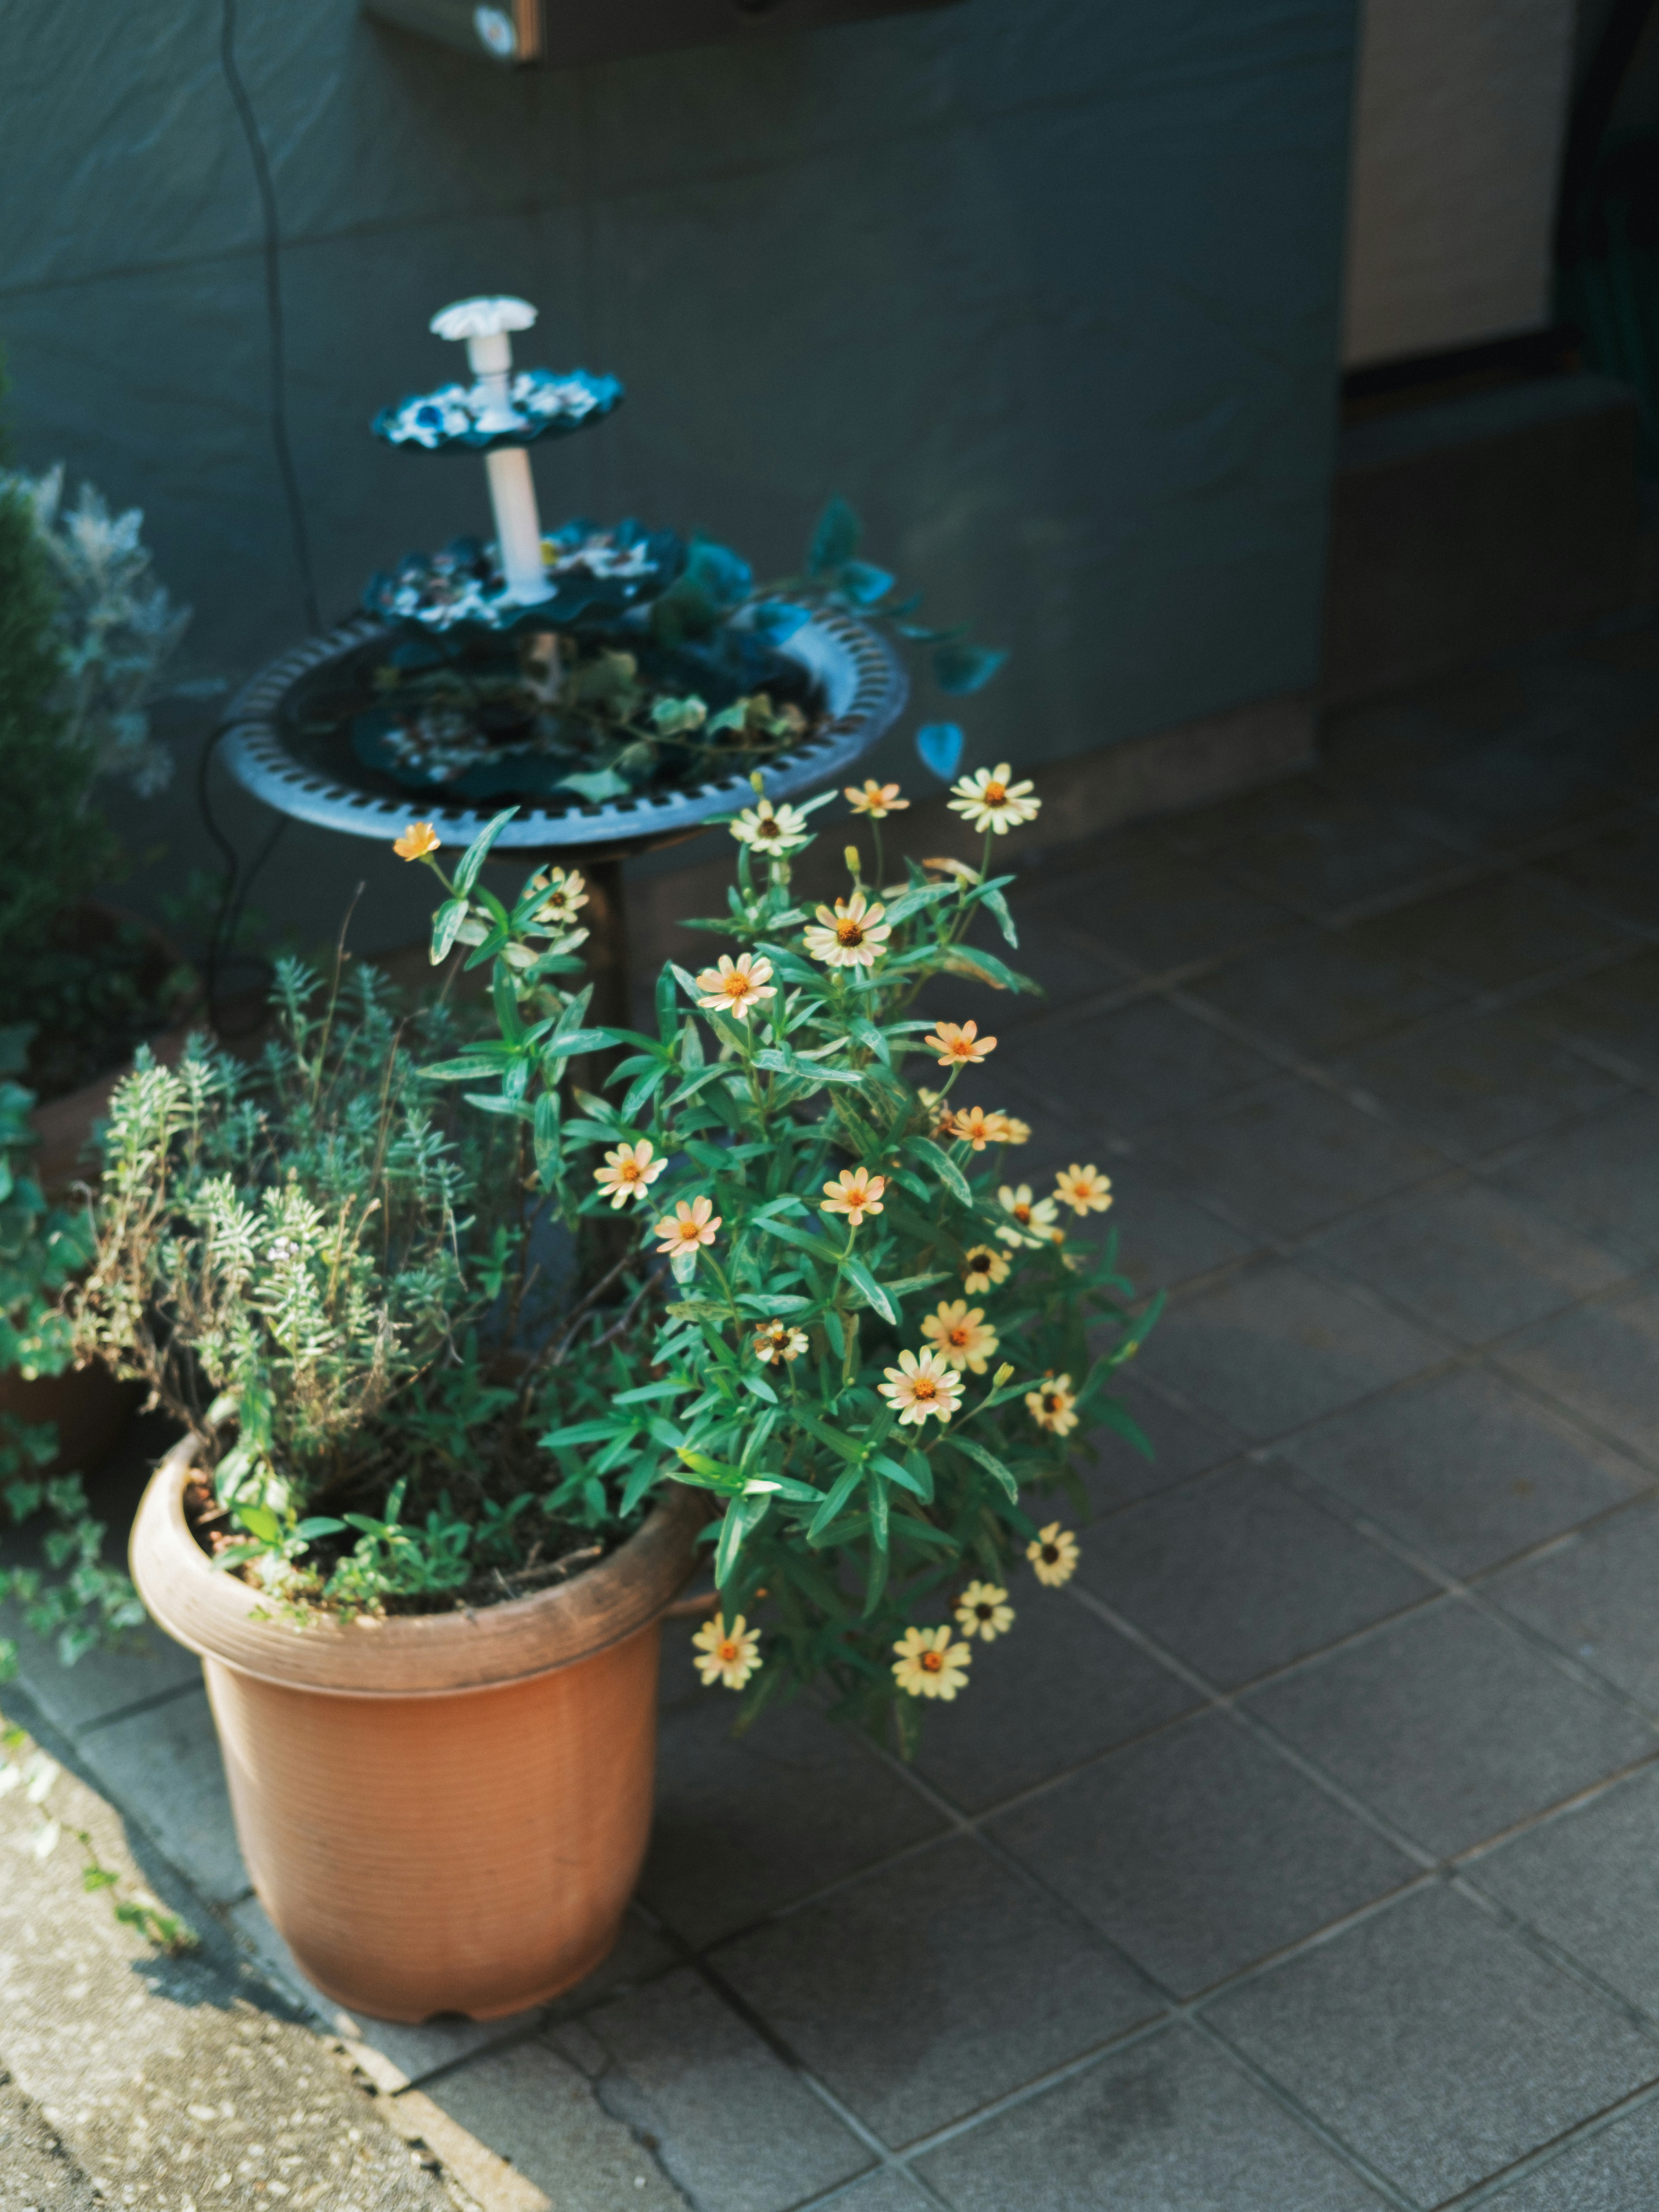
[486,325]
[518,526]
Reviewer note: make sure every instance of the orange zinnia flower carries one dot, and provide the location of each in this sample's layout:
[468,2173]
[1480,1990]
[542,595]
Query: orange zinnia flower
[417,841]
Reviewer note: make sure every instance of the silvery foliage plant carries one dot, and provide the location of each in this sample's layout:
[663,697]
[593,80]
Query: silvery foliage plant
[119,628]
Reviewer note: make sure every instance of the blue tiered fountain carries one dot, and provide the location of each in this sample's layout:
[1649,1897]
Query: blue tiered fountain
[619,685]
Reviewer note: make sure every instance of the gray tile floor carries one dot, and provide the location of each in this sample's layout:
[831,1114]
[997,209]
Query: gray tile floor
[1301,1853]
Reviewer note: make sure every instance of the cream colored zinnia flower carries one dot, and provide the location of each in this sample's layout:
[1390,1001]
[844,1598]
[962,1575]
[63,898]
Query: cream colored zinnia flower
[628,1172]
[770,829]
[1052,1553]
[958,1044]
[566,892]
[1032,1219]
[983,1610]
[929,1665]
[855,1192]
[728,1656]
[688,1226]
[960,1335]
[776,1339]
[1086,1190]
[736,985]
[988,799]
[877,800]
[1052,1405]
[918,1387]
[851,936]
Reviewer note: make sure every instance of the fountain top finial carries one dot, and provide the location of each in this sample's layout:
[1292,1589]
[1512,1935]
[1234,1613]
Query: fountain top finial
[484,318]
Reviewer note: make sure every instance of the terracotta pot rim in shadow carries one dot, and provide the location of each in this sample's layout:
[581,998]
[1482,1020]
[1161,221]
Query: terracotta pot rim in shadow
[405,1655]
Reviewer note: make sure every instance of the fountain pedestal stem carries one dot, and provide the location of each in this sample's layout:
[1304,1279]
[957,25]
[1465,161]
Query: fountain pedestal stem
[518,524]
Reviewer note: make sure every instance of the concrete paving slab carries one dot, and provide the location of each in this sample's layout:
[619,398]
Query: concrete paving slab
[164,2077]
[1465,1469]
[1200,1851]
[1473,1260]
[1276,1346]
[1450,1726]
[1171,2123]
[536,2109]
[1436,2044]
[898,1991]
[734,2125]
[164,1766]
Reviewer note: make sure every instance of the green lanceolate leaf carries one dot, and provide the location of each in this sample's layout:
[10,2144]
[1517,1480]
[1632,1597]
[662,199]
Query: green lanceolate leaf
[858,1275]
[939,1163]
[990,1462]
[445,923]
[478,851]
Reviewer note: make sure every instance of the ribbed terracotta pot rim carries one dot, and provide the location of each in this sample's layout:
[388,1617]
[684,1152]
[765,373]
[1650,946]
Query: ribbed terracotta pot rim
[405,1655]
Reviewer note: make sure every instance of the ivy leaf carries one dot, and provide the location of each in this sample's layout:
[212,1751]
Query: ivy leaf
[959,668]
[939,747]
[835,540]
[861,583]
[776,620]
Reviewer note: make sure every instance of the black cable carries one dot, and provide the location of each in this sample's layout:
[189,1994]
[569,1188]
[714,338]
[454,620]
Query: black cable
[279,349]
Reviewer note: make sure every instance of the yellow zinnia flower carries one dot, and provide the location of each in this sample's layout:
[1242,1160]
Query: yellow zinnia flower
[929,1665]
[982,1269]
[736,985]
[986,799]
[850,936]
[726,1654]
[959,1333]
[983,1610]
[417,841]
[1051,1405]
[1086,1190]
[918,1387]
[629,1171]
[1053,1555]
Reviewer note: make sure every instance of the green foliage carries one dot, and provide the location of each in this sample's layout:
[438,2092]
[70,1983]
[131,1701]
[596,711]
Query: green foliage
[75,1601]
[116,627]
[162,1930]
[85,631]
[334,1274]
[789,1338]
[52,851]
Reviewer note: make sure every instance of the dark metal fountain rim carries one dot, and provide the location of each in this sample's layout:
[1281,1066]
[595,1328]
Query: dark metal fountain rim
[257,754]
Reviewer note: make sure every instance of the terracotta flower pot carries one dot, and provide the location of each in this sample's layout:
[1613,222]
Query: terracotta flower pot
[442,1812]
